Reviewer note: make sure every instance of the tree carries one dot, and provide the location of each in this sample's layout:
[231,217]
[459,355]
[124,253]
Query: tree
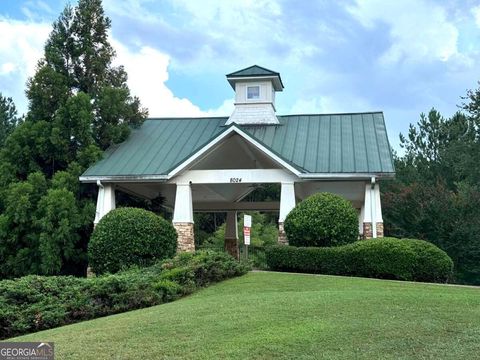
[79,104]
[58,222]
[8,118]
[441,149]
[18,232]
[436,194]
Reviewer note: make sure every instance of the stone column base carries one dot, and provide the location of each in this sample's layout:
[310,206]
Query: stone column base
[379,229]
[185,240]
[231,247]
[368,231]
[282,236]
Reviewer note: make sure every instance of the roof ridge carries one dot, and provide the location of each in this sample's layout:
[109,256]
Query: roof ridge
[336,113]
[187,117]
[289,115]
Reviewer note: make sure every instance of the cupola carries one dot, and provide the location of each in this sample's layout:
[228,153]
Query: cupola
[255,89]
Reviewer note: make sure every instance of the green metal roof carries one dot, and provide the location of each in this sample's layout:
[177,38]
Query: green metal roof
[253,70]
[327,143]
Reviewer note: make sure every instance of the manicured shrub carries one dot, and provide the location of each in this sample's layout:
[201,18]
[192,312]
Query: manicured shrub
[34,303]
[130,236]
[387,258]
[322,219]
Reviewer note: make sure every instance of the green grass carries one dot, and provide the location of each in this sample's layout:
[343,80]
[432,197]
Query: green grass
[287,316]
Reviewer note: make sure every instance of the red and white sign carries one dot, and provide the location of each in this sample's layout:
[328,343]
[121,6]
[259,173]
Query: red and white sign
[246,235]
[247,224]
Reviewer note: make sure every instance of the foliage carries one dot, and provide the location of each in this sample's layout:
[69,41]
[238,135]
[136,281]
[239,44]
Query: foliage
[34,303]
[387,258]
[8,118]
[206,224]
[322,219]
[40,226]
[58,222]
[264,192]
[439,149]
[447,218]
[130,236]
[79,104]
[263,233]
[436,193]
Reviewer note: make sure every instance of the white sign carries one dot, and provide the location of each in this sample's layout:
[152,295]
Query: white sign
[247,221]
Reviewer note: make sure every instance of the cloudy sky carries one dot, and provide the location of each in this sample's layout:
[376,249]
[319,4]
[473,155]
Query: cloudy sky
[402,57]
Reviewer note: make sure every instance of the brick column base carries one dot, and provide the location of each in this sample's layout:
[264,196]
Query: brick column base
[282,236]
[231,247]
[186,240]
[368,231]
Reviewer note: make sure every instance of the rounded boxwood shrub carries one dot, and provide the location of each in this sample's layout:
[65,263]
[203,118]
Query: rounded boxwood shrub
[386,258]
[322,219]
[130,236]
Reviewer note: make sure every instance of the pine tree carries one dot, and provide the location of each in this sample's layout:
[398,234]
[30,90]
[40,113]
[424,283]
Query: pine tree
[8,118]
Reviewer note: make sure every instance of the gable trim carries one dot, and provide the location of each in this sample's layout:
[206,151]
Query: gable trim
[232,128]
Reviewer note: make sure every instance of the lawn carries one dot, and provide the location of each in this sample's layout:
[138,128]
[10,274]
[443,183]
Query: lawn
[287,316]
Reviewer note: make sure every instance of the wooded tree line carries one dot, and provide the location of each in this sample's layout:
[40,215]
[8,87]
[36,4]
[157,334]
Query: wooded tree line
[436,193]
[79,104]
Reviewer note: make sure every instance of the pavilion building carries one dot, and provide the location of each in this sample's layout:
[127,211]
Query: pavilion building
[211,164]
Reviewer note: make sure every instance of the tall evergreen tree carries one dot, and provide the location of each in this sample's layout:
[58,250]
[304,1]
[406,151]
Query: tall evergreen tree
[79,104]
[8,118]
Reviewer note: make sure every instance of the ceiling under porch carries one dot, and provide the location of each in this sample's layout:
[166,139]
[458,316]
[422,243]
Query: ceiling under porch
[223,197]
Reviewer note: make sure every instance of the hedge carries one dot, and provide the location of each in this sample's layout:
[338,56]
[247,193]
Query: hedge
[130,236]
[387,258]
[322,219]
[34,303]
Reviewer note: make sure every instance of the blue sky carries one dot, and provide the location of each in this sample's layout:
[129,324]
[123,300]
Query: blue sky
[401,57]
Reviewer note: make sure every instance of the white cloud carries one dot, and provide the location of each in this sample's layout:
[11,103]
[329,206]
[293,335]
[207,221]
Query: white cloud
[476,15]
[22,46]
[44,6]
[20,49]
[147,76]
[7,68]
[420,30]
[329,105]
[309,106]
[226,109]
[224,34]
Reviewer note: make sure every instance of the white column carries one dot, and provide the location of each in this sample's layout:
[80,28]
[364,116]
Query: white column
[361,216]
[109,199]
[183,218]
[105,201]
[368,211]
[287,200]
[183,211]
[378,204]
[372,210]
